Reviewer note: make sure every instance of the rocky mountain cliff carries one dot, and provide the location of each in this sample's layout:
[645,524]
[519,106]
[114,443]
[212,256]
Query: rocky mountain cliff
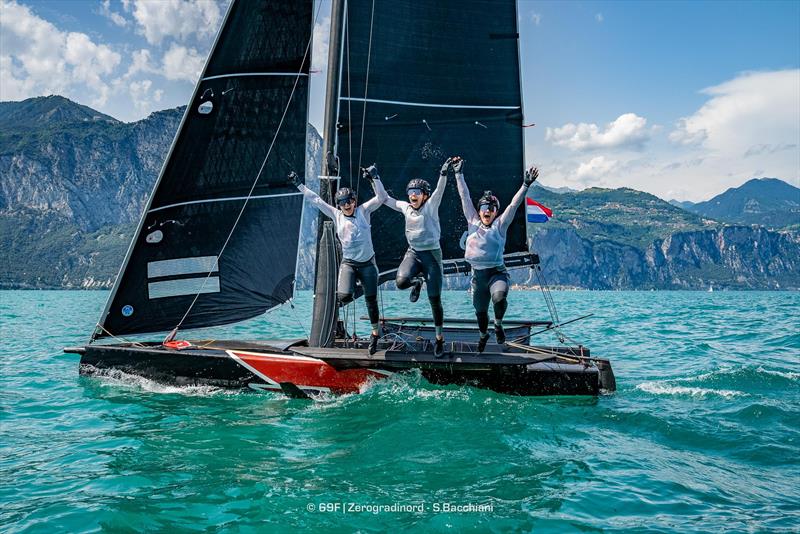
[73,183]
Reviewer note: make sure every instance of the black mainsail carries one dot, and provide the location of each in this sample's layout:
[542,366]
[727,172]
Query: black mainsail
[437,79]
[251,102]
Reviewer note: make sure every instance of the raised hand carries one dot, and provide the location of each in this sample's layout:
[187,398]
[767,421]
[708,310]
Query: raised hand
[530,176]
[370,173]
[445,167]
[294,179]
[458,164]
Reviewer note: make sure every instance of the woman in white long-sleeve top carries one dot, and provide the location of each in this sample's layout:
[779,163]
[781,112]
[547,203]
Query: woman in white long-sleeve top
[353,229]
[423,259]
[486,241]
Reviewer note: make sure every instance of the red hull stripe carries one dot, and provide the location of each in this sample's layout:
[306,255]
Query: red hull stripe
[304,372]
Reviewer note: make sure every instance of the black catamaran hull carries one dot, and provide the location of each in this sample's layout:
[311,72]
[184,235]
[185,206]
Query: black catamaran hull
[291,368]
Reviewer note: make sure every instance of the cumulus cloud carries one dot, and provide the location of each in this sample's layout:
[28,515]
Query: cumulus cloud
[177,19]
[751,110]
[319,54]
[116,18]
[182,63]
[38,58]
[628,130]
[596,168]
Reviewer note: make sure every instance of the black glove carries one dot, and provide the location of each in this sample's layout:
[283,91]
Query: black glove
[458,164]
[294,179]
[530,176]
[370,173]
[445,167]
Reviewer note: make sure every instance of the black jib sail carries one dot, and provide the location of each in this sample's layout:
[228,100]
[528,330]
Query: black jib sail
[437,79]
[247,119]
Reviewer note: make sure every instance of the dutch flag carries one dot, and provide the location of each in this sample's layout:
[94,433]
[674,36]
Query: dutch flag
[537,213]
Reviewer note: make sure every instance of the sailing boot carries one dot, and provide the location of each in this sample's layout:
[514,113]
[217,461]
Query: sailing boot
[482,341]
[499,333]
[414,296]
[438,348]
[372,348]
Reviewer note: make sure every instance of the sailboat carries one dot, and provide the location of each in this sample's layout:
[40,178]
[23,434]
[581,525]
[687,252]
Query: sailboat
[409,83]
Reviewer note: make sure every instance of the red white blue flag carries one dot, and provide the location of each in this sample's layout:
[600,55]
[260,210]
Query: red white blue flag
[537,213]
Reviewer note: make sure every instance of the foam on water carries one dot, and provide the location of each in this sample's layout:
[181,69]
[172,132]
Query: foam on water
[702,435]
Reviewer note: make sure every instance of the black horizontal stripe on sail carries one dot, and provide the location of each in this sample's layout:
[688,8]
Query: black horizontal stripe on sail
[443,80]
[254,72]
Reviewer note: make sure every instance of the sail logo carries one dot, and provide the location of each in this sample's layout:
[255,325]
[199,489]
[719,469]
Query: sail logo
[537,213]
[182,276]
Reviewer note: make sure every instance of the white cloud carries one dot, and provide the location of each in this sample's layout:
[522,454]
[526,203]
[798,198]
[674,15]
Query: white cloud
[182,63]
[140,62]
[628,130]
[176,19]
[599,17]
[319,55]
[536,18]
[753,109]
[38,58]
[598,167]
[116,18]
[140,94]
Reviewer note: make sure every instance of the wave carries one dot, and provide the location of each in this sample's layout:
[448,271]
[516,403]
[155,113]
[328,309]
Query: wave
[668,388]
[117,378]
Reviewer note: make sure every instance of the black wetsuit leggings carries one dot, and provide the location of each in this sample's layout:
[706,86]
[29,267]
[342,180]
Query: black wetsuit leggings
[365,272]
[489,284]
[426,264]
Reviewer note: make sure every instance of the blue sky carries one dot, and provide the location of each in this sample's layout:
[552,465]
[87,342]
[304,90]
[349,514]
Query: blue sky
[681,99]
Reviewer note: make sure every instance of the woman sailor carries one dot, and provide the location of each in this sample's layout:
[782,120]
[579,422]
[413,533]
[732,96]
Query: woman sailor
[486,239]
[353,229]
[423,259]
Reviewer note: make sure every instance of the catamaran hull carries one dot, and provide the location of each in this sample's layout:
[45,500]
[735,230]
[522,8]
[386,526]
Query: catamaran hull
[342,371]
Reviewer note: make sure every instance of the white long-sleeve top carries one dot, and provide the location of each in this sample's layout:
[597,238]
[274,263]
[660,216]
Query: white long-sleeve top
[354,232]
[422,226]
[485,244]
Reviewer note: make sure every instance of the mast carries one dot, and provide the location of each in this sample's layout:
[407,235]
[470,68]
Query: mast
[325,311]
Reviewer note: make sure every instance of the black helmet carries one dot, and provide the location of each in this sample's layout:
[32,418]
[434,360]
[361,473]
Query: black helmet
[344,195]
[418,183]
[489,199]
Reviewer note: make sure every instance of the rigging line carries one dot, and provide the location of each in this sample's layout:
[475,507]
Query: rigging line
[349,107]
[134,343]
[252,187]
[366,88]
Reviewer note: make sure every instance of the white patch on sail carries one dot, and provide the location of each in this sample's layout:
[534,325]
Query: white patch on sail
[186,286]
[179,266]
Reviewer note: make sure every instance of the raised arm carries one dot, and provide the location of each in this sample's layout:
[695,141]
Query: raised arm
[438,193]
[371,174]
[508,215]
[463,192]
[315,199]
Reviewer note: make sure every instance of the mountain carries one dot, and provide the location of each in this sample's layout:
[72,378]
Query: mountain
[47,111]
[73,187]
[683,204]
[766,201]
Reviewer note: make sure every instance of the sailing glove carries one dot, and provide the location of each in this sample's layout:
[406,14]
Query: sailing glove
[294,179]
[445,167]
[458,164]
[370,173]
[530,176]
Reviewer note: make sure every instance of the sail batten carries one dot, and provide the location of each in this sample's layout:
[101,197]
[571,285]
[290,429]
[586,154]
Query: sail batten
[223,191]
[433,79]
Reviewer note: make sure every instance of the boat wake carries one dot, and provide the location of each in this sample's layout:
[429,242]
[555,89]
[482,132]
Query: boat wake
[669,388]
[120,379]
